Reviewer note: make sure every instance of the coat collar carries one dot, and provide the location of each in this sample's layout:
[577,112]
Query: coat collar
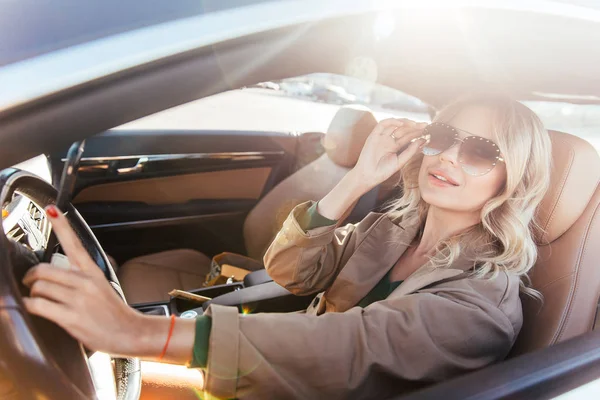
[381,248]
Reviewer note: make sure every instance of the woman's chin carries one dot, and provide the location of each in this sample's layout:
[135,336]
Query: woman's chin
[441,200]
[443,197]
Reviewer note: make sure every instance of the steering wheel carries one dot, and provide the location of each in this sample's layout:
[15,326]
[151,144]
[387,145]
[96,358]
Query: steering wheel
[38,359]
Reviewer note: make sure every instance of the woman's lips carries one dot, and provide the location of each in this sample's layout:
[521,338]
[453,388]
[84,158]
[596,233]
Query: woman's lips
[439,182]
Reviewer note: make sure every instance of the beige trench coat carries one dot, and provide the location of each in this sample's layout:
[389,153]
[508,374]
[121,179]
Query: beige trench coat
[437,324]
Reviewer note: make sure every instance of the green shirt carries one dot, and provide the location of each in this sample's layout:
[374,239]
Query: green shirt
[310,220]
[381,291]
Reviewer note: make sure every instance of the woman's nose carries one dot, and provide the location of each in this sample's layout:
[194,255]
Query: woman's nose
[450,155]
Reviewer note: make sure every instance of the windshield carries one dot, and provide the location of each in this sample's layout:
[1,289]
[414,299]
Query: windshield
[305,103]
[282,106]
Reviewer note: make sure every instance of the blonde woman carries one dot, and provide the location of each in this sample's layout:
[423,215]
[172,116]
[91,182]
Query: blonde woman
[424,292]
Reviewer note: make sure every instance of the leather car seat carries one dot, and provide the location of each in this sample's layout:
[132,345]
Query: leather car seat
[567,272]
[148,278]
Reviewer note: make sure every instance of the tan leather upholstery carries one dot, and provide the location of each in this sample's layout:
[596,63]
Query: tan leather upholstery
[567,272]
[150,277]
[347,134]
[574,179]
[309,183]
[343,143]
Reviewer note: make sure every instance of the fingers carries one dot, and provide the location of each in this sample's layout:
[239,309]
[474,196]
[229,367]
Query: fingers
[410,151]
[398,130]
[49,282]
[398,127]
[68,239]
[55,312]
[395,139]
[398,123]
[391,130]
[47,272]
[52,291]
[407,139]
[390,122]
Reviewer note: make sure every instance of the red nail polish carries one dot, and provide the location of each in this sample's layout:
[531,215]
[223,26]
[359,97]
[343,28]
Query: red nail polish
[52,212]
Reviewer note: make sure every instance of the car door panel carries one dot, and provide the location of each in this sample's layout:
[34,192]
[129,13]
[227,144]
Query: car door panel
[148,191]
[246,183]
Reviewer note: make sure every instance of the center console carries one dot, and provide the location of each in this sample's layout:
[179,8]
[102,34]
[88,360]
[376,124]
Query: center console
[257,293]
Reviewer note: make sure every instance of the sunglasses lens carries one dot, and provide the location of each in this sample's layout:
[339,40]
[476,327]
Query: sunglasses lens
[478,156]
[439,139]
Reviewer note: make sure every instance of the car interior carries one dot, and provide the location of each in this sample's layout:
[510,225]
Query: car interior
[164,218]
[145,278]
[243,215]
[261,187]
[162,203]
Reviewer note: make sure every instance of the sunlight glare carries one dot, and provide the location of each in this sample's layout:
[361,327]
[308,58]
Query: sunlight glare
[384,25]
[103,376]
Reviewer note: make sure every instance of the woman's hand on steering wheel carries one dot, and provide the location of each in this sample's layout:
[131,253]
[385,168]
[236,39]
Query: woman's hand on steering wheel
[80,299]
[82,302]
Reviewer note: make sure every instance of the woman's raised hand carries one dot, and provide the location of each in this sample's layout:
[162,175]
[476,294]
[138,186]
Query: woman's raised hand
[379,158]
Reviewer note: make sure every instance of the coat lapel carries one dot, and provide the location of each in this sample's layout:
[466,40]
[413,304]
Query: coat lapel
[425,276]
[429,274]
[371,260]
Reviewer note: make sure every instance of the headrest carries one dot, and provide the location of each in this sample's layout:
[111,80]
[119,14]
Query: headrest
[347,134]
[573,181]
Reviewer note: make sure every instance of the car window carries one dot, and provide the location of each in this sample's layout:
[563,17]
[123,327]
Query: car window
[582,120]
[590,390]
[283,106]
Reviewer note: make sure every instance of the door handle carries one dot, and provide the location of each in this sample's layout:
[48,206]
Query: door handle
[138,167]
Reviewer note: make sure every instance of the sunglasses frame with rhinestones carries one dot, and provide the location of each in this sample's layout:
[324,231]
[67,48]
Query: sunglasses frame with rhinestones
[457,138]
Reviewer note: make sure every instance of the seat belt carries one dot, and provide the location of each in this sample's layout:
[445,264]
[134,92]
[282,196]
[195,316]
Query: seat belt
[366,204]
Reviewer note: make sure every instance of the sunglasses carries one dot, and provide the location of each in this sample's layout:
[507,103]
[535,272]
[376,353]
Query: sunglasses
[477,156]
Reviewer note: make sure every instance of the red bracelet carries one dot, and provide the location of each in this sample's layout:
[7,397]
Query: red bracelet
[171,326]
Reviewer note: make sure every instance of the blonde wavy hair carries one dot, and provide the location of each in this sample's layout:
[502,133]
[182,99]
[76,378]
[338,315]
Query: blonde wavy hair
[504,240]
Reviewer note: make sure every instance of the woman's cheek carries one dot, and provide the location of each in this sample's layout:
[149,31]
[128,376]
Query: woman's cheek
[493,183]
[478,190]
